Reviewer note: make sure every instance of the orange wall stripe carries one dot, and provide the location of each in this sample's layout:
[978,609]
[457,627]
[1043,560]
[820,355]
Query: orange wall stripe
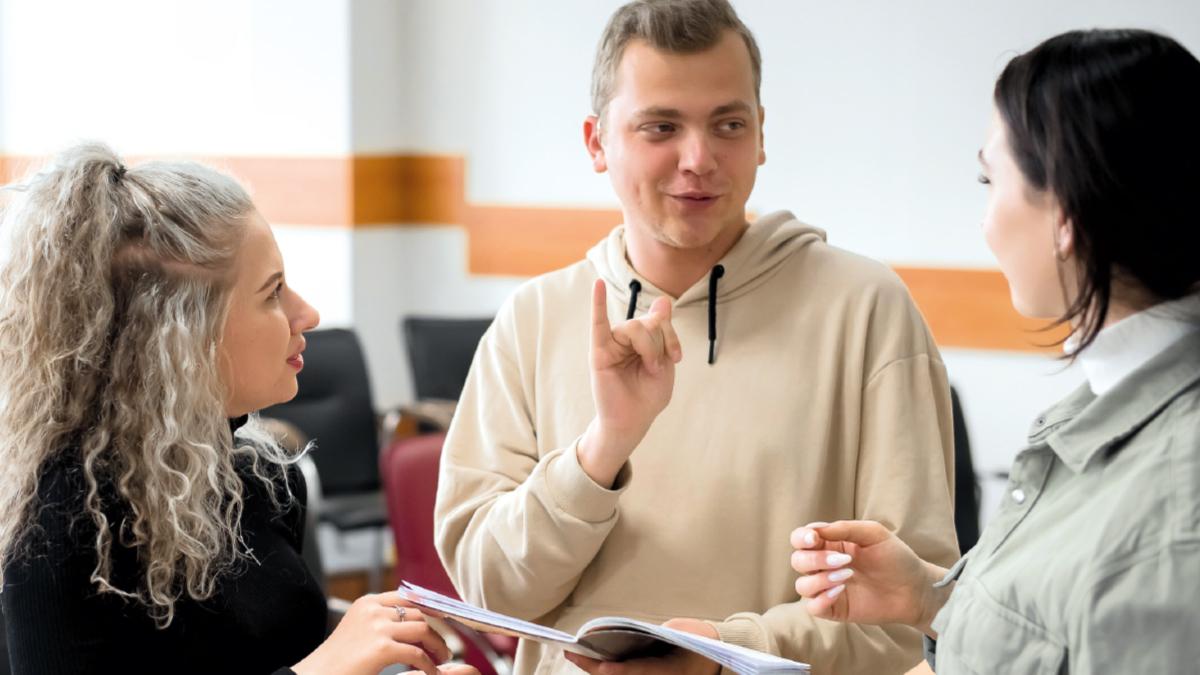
[525,241]
[408,189]
[295,190]
[286,190]
[971,309]
[338,191]
[964,308]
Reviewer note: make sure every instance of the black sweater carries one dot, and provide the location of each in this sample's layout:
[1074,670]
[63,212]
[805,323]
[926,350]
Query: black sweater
[264,616]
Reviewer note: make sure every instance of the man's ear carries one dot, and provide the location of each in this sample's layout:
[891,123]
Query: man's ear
[762,151]
[592,139]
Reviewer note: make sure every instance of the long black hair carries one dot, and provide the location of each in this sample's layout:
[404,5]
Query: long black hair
[1108,121]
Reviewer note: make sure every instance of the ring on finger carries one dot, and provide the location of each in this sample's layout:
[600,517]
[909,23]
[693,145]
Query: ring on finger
[401,612]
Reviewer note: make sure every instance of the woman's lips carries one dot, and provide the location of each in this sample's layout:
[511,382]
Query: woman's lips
[297,362]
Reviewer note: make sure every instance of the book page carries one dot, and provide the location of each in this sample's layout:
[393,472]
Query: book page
[606,638]
[485,621]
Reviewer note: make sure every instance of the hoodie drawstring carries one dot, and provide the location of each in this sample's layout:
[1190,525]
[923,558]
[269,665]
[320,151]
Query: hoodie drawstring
[635,287]
[717,273]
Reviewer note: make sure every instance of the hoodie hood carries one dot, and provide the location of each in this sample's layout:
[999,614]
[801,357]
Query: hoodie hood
[765,245]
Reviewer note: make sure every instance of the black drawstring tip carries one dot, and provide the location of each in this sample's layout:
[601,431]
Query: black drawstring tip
[717,273]
[635,287]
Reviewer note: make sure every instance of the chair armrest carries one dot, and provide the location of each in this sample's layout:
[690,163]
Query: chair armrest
[404,421]
[435,411]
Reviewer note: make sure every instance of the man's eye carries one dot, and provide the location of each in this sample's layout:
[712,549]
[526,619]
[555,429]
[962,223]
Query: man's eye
[984,180]
[660,128]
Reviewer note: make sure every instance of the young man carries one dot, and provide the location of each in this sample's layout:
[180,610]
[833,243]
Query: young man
[654,467]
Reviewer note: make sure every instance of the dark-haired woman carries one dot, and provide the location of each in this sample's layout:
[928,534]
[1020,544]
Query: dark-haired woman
[1092,564]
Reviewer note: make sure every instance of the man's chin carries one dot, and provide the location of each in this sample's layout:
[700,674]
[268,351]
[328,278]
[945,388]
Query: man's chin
[690,236]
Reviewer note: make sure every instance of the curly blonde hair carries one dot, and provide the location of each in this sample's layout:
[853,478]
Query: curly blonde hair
[112,306]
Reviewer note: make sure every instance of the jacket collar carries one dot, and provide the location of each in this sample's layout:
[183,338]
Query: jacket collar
[1083,425]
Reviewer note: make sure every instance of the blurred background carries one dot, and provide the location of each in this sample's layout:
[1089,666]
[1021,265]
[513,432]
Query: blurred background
[425,157]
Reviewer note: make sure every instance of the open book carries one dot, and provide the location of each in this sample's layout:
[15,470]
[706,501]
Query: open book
[606,638]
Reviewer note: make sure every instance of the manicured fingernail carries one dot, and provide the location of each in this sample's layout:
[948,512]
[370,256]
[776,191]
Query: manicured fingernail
[810,539]
[835,591]
[837,559]
[840,575]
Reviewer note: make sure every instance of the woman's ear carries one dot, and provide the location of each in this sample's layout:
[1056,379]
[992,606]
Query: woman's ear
[1064,235]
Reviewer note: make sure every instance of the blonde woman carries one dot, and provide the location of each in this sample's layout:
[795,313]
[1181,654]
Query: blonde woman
[145,523]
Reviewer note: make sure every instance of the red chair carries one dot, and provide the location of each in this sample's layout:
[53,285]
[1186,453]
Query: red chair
[409,473]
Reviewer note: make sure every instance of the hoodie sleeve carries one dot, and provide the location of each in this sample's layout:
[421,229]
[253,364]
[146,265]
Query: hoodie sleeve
[514,530]
[904,480]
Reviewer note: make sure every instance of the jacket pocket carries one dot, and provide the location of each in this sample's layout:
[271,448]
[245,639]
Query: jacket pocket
[978,635]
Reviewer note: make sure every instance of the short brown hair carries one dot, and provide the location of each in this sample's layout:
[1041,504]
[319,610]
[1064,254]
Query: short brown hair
[679,26]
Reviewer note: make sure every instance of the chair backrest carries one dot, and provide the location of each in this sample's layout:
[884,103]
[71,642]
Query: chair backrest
[334,408]
[311,551]
[409,469]
[966,483]
[440,351]
[4,664]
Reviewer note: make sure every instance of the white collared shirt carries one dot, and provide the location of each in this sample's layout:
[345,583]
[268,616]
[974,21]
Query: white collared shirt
[1123,347]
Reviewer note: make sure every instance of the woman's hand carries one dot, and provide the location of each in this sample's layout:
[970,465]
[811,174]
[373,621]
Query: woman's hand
[379,631]
[858,571]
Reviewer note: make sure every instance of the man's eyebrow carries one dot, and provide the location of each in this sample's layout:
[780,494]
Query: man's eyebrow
[675,113]
[270,280]
[732,106]
[657,111]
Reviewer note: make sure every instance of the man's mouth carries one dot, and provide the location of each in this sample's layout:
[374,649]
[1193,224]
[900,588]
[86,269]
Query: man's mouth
[694,195]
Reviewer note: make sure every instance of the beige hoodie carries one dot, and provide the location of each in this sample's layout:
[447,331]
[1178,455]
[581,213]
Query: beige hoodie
[826,400]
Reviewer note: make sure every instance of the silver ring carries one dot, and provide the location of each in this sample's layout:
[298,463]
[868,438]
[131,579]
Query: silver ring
[400,612]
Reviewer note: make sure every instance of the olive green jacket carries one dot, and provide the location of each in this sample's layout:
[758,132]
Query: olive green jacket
[1092,564]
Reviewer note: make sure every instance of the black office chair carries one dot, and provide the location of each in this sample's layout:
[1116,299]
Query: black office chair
[966,483]
[5,668]
[336,608]
[334,408]
[440,351]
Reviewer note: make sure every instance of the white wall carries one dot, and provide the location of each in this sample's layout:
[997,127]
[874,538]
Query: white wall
[217,77]
[413,270]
